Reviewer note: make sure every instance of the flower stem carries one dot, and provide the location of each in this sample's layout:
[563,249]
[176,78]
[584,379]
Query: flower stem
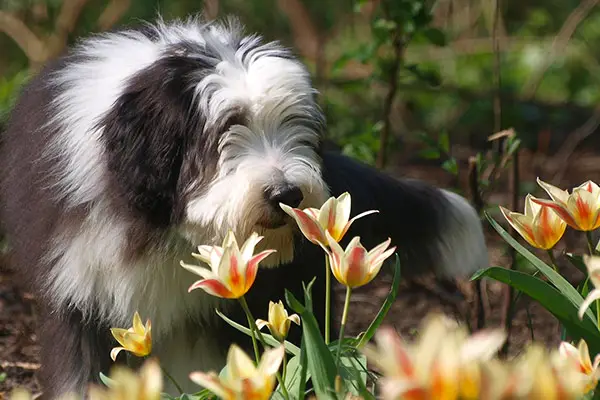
[588,235]
[254,329]
[251,326]
[343,325]
[552,260]
[327,298]
[179,389]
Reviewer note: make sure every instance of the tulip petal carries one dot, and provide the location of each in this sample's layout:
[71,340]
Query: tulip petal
[310,227]
[521,224]
[211,382]
[252,267]
[248,246]
[201,271]
[239,364]
[347,227]
[295,319]
[115,352]
[593,295]
[261,323]
[555,193]
[213,287]
[561,210]
[270,361]
[341,213]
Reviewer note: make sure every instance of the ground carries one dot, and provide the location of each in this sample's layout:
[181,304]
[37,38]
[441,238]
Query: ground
[19,352]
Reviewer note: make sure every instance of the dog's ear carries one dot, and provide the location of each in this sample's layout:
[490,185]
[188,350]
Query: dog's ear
[147,132]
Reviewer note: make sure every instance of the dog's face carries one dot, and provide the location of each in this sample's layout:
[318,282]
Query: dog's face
[190,126]
[267,129]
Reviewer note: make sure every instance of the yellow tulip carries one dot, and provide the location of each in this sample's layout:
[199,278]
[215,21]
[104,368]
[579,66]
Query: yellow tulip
[540,226]
[356,266]
[580,356]
[279,321]
[242,379]
[333,217]
[232,270]
[127,385]
[592,264]
[137,339]
[580,209]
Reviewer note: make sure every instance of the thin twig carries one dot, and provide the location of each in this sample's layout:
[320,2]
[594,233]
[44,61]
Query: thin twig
[115,10]
[388,104]
[32,46]
[560,43]
[561,158]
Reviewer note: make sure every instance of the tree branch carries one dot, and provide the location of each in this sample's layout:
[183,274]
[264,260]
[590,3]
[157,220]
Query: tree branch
[32,46]
[560,43]
[112,14]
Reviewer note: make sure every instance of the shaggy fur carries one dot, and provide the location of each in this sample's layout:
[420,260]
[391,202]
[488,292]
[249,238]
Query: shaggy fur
[139,145]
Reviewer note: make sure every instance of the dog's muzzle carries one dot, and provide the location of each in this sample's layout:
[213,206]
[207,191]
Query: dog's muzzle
[287,194]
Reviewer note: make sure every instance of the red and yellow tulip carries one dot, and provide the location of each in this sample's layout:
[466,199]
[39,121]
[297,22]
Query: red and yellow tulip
[232,270]
[580,209]
[444,364]
[355,266]
[540,226]
[137,339]
[333,217]
[242,379]
[279,321]
[580,356]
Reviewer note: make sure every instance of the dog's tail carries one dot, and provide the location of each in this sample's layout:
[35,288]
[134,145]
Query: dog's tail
[433,229]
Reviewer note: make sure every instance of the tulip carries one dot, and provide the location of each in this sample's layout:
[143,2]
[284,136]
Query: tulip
[279,322]
[232,270]
[137,339]
[444,364]
[356,266]
[580,356]
[592,264]
[333,217]
[126,385]
[242,379]
[540,226]
[580,209]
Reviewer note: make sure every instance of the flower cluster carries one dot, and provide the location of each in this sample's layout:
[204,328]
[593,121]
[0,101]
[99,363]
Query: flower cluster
[447,363]
[545,221]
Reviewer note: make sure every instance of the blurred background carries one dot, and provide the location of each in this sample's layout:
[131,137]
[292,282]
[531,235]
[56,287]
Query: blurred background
[477,96]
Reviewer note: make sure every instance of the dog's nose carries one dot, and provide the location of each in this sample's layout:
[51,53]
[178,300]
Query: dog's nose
[289,195]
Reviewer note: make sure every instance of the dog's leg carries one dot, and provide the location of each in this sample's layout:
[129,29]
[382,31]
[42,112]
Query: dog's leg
[73,353]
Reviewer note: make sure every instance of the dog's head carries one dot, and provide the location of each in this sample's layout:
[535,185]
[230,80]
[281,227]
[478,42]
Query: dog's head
[208,129]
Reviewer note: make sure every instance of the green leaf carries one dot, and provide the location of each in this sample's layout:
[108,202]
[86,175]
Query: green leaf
[290,347]
[450,166]
[554,277]
[444,142]
[295,380]
[549,297]
[321,365]
[435,36]
[385,307]
[430,154]
[106,380]
[353,370]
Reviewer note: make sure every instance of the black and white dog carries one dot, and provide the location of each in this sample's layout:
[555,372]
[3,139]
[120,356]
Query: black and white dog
[136,146]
